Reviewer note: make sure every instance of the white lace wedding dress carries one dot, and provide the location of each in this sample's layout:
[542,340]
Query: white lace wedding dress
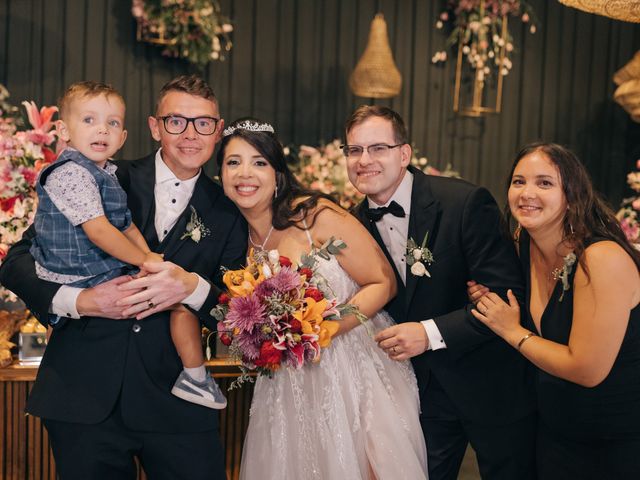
[353,415]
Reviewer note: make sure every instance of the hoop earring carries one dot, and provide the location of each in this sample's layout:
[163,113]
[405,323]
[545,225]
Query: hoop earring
[517,231]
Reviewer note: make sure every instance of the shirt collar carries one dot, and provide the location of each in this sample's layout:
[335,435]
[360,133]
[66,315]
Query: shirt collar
[164,173]
[109,166]
[402,195]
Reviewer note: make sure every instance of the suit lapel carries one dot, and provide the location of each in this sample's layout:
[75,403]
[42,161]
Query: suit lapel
[202,201]
[141,198]
[424,216]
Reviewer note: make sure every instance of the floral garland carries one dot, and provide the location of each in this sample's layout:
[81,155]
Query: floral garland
[325,169]
[628,213]
[477,29]
[23,153]
[194,30]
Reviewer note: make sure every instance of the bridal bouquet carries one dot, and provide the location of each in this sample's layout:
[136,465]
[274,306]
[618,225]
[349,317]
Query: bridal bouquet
[275,314]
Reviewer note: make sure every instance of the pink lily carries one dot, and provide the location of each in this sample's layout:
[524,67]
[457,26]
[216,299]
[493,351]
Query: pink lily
[40,119]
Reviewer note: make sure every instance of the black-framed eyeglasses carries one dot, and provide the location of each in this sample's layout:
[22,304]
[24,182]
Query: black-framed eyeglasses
[377,150]
[177,124]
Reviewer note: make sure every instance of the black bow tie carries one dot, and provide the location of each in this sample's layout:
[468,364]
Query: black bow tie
[375,214]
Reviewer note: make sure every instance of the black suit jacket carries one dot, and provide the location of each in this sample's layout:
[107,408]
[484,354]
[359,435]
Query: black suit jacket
[486,379]
[90,362]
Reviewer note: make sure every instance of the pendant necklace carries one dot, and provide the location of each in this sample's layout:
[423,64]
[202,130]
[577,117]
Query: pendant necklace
[266,239]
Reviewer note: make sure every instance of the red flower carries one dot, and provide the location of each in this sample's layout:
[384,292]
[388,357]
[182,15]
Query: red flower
[270,356]
[49,156]
[224,298]
[313,293]
[6,204]
[296,325]
[307,272]
[225,339]
[297,352]
[284,261]
[30,175]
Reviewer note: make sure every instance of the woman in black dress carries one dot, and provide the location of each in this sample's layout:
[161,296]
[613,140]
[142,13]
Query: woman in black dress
[581,321]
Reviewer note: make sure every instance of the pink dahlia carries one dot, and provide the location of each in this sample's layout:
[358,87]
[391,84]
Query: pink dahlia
[249,345]
[284,281]
[245,313]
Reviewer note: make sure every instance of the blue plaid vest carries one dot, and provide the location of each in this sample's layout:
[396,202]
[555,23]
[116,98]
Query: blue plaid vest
[63,248]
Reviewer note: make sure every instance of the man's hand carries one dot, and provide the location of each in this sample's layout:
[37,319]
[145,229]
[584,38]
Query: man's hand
[475,291]
[403,341]
[165,285]
[102,300]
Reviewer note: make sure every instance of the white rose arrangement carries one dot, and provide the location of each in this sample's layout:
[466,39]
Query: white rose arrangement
[417,256]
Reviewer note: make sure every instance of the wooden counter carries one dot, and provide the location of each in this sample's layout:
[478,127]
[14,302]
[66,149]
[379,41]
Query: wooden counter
[24,443]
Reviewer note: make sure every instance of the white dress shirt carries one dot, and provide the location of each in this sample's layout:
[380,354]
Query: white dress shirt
[172,196]
[394,232]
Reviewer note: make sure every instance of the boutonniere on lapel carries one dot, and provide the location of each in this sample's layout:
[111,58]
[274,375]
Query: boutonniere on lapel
[195,228]
[418,256]
[562,273]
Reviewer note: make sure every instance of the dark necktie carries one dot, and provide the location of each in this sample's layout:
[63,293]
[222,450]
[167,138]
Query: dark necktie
[375,214]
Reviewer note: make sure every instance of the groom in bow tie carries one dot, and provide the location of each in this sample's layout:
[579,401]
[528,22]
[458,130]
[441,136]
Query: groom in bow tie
[437,233]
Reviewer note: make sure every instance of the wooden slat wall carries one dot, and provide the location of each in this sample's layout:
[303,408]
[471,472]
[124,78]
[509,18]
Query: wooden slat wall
[24,449]
[24,443]
[291,62]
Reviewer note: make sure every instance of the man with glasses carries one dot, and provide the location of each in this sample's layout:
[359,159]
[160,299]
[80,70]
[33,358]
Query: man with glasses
[104,386]
[437,234]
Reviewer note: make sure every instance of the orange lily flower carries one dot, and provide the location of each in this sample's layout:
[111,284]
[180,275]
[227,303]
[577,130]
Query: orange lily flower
[328,329]
[310,314]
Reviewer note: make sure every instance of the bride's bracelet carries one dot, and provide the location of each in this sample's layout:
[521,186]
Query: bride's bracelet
[525,338]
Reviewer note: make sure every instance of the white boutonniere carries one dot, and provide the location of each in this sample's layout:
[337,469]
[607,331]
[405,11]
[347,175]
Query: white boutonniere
[417,256]
[195,228]
[564,272]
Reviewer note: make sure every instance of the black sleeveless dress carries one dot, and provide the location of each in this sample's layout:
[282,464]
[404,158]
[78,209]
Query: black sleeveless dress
[586,433]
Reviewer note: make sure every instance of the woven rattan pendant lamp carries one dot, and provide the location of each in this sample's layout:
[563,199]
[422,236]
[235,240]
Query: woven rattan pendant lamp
[627,10]
[376,74]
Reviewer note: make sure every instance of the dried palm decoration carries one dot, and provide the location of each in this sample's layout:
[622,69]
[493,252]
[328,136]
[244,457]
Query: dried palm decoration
[630,71]
[627,95]
[376,74]
[627,10]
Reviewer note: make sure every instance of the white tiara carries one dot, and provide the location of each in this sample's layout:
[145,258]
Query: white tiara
[248,125]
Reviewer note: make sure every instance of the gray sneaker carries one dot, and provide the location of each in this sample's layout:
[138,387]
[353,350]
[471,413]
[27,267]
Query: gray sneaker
[207,393]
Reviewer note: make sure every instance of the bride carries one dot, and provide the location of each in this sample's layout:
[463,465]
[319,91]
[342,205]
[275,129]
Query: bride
[353,415]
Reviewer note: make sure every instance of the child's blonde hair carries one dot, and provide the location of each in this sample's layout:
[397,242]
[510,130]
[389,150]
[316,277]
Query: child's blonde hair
[87,88]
